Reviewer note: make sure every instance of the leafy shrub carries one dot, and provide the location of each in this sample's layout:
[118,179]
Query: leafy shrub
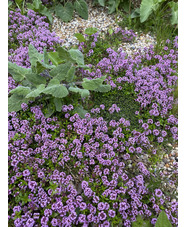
[56,81]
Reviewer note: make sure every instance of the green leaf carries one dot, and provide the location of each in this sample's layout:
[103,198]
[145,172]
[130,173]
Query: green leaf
[65,12]
[36,92]
[101,2]
[83,92]
[41,66]
[147,7]
[17,72]
[58,104]
[19,3]
[45,56]
[70,74]
[80,37]
[163,220]
[90,31]
[81,8]
[36,3]
[20,90]
[80,111]
[15,101]
[64,54]
[58,91]
[135,13]
[103,88]
[112,6]
[174,13]
[35,79]
[141,222]
[77,56]
[34,55]
[44,11]
[93,84]
[54,57]
[61,71]
[9,3]
[53,81]
[50,110]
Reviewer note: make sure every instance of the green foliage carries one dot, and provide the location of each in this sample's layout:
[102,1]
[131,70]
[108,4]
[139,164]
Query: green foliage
[90,31]
[54,82]
[163,220]
[141,222]
[64,12]
[81,8]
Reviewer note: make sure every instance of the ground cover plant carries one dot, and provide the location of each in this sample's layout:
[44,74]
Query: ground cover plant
[68,169]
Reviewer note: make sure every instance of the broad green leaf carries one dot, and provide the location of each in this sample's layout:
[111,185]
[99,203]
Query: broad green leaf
[80,37]
[58,91]
[146,8]
[54,57]
[35,93]
[70,74]
[65,12]
[20,90]
[90,31]
[15,101]
[112,6]
[101,2]
[61,71]
[9,3]
[50,110]
[163,220]
[83,92]
[141,222]
[81,8]
[41,66]
[77,56]
[37,3]
[34,55]
[53,81]
[58,104]
[64,54]
[103,88]
[92,84]
[44,11]
[135,13]
[35,79]
[17,72]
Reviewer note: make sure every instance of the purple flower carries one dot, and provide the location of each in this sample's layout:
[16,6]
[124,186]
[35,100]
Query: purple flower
[102,216]
[158,192]
[112,213]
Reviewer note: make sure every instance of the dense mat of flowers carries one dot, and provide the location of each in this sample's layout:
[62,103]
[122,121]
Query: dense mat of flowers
[71,171]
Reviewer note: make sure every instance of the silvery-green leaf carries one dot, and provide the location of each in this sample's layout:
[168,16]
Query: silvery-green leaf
[35,79]
[101,2]
[17,72]
[20,90]
[58,104]
[58,91]
[81,8]
[36,92]
[83,92]
[61,71]
[92,84]
[77,56]
[80,111]
[54,57]
[65,12]
[163,220]
[103,88]
[146,8]
[34,55]
[15,101]
[70,74]
[64,54]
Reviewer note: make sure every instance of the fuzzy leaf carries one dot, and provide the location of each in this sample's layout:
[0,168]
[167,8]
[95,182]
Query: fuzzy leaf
[50,110]
[52,82]
[103,88]
[174,8]
[58,91]
[45,56]
[80,111]
[65,12]
[90,31]
[19,3]
[35,79]
[15,101]
[58,104]
[112,6]
[93,84]
[83,92]
[54,57]
[34,55]
[77,56]
[70,74]
[45,12]
[163,220]
[101,2]
[20,90]
[35,93]
[17,72]
[41,66]
[61,71]
[80,37]
[81,8]
[64,54]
